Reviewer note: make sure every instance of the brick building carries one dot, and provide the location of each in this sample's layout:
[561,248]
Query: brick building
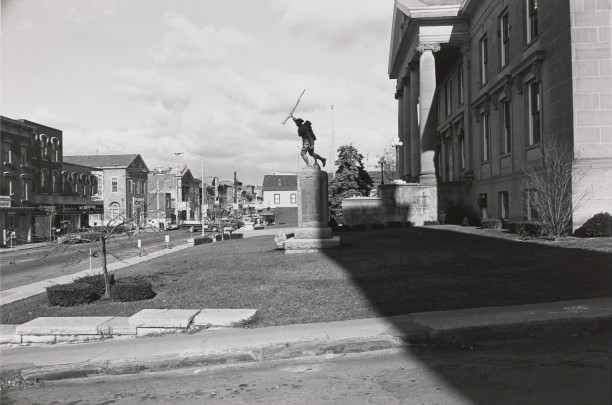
[40,194]
[484,87]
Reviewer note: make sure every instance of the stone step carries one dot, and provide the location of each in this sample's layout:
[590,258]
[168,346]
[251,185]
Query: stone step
[223,317]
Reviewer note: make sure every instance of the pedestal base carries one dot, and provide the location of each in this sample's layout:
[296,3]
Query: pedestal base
[313,233]
[294,245]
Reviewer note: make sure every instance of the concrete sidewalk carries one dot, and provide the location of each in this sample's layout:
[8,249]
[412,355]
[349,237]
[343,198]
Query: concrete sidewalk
[115,356]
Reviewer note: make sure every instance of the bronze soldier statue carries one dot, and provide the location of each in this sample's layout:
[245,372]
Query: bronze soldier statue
[308,140]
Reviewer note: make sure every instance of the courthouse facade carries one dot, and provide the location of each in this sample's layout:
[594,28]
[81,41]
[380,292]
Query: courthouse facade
[484,87]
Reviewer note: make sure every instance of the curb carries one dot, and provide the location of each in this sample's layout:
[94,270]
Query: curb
[457,339]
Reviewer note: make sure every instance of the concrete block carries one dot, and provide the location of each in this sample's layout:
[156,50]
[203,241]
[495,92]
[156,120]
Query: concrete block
[223,317]
[37,338]
[163,318]
[117,326]
[312,233]
[77,338]
[294,245]
[157,331]
[62,326]
[8,334]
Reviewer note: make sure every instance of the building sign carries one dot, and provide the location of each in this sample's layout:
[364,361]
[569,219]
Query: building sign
[5,201]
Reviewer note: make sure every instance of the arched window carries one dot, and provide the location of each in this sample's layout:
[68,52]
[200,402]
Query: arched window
[54,182]
[114,210]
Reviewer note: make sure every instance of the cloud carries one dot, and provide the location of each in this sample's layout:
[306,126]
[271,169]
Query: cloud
[154,89]
[186,44]
[339,23]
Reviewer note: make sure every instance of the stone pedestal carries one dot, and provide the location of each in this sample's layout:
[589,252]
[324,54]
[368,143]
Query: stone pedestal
[312,233]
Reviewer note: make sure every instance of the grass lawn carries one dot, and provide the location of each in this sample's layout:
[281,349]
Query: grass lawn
[375,273]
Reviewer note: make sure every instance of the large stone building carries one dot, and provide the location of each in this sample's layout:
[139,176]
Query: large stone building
[41,195]
[122,187]
[485,87]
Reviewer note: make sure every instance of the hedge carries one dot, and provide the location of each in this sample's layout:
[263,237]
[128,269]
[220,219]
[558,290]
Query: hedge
[97,282]
[394,224]
[526,228]
[237,235]
[434,222]
[70,295]
[132,291]
[378,226]
[490,223]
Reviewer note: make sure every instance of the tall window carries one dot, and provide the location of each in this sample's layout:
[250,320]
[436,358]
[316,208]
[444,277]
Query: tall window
[114,210]
[506,142]
[484,60]
[6,156]
[276,198]
[8,186]
[530,197]
[485,130]
[534,113]
[504,44]
[114,185]
[293,198]
[25,192]
[531,20]
[24,155]
[44,178]
[54,183]
[504,205]
[460,83]
[448,97]
[462,152]
[482,205]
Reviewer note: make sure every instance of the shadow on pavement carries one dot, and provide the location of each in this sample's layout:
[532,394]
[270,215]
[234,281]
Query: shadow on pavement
[411,270]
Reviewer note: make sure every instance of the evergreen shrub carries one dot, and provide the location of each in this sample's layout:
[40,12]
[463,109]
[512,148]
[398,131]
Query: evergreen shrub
[127,291]
[70,295]
[526,228]
[434,222]
[378,226]
[358,227]
[600,225]
[394,224]
[237,236]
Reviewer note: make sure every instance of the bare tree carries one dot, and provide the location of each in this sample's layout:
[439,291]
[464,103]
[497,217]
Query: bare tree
[555,189]
[388,157]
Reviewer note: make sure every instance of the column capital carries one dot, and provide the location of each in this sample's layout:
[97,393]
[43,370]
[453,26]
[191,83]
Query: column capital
[428,46]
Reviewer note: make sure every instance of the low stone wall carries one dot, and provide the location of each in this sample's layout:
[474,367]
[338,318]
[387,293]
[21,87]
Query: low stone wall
[398,202]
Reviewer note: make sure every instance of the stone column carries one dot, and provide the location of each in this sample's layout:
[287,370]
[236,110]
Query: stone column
[427,111]
[313,233]
[405,136]
[415,141]
[400,95]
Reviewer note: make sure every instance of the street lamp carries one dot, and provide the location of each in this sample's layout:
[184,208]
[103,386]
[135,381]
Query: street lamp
[382,177]
[203,187]
[397,145]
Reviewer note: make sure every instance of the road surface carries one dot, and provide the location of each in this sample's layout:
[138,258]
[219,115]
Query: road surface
[21,267]
[566,370]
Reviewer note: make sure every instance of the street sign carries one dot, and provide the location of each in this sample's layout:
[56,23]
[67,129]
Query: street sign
[5,201]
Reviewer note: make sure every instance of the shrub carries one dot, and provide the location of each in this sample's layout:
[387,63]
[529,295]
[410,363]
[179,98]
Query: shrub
[237,235]
[465,221]
[378,226]
[434,222]
[597,226]
[455,214]
[442,217]
[137,290]
[358,227]
[70,295]
[526,228]
[97,282]
[490,223]
[394,224]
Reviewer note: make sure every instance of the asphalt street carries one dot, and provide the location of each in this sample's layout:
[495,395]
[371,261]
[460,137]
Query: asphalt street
[562,370]
[22,267]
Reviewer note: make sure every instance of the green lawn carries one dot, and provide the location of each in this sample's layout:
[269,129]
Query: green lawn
[383,272]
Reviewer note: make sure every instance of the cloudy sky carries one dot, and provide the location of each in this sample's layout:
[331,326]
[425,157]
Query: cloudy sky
[210,77]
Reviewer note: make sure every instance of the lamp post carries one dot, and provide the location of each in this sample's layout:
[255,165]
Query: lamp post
[382,172]
[203,187]
[397,145]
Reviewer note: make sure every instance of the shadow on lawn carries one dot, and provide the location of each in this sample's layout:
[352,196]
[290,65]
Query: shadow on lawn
[403,271]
